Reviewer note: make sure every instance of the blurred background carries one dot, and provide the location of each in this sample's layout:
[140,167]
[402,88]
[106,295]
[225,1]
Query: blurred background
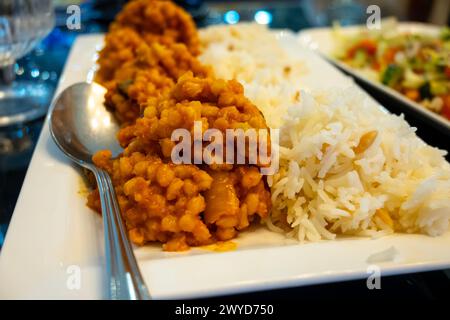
[44,63]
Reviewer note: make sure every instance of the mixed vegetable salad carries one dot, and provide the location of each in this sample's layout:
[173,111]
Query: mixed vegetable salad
[417,65]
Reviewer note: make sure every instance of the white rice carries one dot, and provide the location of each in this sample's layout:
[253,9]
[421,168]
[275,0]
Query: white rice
[323,187]
[251,54]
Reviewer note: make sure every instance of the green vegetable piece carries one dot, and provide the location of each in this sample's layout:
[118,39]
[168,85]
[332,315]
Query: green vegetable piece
[445,34]
[392,75]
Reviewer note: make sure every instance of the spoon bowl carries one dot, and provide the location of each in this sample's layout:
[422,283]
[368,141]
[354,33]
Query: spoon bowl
[81,125]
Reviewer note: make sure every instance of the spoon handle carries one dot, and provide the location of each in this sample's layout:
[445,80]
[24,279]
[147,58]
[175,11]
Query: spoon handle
[125,279]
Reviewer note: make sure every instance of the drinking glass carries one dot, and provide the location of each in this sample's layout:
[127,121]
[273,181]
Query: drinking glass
[23,23]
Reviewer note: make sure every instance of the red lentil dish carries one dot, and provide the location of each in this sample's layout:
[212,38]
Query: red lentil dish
[155,84]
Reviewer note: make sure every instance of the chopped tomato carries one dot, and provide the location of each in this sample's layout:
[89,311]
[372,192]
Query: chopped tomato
[376,65]
[368,45]
[447,71]
[446,108]
[389,55]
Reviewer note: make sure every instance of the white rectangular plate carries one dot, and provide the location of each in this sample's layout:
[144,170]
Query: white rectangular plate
[321,39]
[53,237]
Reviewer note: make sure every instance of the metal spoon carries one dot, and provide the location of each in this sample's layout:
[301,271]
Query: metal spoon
[80,125]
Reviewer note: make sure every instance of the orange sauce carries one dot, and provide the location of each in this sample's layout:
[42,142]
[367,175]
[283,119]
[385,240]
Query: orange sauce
[221,246]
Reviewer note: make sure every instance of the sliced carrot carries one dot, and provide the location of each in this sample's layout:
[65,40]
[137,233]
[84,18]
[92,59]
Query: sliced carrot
[389,55]
[413,94]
